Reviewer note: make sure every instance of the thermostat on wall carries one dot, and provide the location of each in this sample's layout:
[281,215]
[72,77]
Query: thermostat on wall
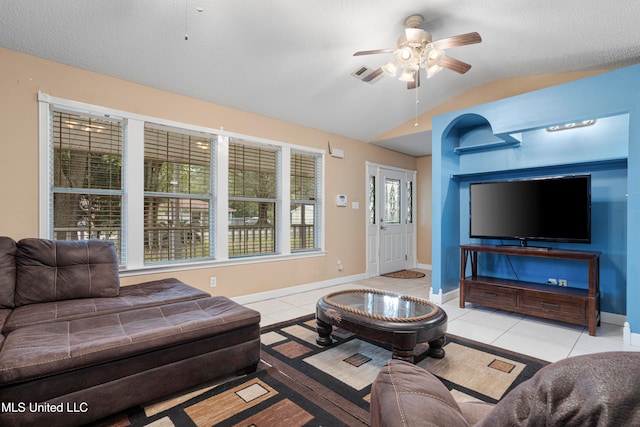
[341,200]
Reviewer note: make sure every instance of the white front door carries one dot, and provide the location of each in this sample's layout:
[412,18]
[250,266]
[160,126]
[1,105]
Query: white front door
[393,213]
[391,228]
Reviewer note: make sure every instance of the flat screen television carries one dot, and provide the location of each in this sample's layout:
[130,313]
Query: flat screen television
[555,209]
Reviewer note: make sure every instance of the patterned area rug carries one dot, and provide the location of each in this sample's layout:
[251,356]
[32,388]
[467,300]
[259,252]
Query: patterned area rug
[299,383]
[405,274]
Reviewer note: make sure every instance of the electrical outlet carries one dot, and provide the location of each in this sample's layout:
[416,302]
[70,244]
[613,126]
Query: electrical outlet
[339,265]
[552,281]
[562,282]
[212,282]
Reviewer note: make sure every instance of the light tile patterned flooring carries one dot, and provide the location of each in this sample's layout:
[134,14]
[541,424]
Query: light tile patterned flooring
[540,338]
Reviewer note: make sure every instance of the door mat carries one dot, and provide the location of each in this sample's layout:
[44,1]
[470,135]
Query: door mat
[405,274]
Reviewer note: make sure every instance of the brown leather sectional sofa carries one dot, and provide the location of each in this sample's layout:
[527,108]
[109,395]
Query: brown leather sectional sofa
[76,347]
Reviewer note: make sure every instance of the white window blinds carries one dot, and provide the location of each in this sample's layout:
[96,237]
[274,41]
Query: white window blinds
[87,178]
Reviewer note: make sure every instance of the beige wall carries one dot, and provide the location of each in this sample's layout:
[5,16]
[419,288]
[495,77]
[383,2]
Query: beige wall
[423,201]
[21,78]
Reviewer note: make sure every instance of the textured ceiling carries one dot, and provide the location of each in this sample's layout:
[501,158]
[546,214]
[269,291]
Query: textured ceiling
[292,60]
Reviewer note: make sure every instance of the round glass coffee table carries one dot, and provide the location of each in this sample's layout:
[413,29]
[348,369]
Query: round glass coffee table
[400,320]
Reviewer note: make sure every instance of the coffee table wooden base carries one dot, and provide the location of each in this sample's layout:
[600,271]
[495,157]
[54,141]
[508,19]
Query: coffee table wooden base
[402,343]
[324,333]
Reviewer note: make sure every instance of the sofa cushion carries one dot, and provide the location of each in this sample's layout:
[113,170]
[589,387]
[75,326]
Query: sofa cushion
[147,294]
[54,270]
[7,271]
[406,395]
[36,351]
[600,389]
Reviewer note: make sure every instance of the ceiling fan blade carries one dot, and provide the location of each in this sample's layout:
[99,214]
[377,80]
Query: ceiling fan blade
[373,52]
[375,73]
[416,80]
[455,41]
[455,65]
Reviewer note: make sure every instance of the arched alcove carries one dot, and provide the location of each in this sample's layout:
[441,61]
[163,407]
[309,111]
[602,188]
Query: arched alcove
[508,139]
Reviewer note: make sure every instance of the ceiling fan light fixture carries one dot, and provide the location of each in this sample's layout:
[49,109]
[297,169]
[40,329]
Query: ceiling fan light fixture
[434,56]
[433,70]
[407,75]
[432,63]
[405,55]
[390,68]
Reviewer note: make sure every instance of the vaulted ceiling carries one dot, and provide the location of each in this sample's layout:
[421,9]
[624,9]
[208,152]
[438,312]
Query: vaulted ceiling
[293,60]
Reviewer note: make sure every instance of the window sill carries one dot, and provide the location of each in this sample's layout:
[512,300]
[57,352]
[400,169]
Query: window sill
[195,265]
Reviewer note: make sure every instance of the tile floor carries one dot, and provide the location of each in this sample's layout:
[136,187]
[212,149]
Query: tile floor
[540,338]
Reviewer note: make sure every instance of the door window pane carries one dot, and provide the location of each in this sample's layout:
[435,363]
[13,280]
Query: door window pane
[372,199]
[409,202]
[392,201]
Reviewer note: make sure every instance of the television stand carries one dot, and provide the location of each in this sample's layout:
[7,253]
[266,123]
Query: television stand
[566,304]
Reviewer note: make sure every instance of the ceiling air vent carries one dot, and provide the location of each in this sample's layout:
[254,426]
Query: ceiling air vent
[367,75]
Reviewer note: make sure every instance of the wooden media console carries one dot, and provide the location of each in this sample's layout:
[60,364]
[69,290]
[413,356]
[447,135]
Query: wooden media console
[567,304]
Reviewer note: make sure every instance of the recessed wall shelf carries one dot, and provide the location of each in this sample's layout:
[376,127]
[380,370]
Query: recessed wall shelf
[577,167]
[486,146]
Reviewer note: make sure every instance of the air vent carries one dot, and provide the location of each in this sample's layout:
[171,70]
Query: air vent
[367,74]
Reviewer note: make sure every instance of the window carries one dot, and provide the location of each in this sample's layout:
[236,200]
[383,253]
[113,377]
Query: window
[177,195]
[304,194]
[86,189]
[252,199]
[171,195]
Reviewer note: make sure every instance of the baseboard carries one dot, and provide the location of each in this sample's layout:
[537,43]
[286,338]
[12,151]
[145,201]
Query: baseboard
[628,338]
[441,298]
[424,266]
[283,292]
[613,318]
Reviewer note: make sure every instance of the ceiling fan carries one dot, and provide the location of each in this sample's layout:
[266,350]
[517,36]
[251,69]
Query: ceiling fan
[415,50]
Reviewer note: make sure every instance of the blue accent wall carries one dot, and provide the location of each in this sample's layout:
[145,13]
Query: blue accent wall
[507,139]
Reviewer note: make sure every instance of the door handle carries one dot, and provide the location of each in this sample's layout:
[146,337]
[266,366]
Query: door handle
[382,227]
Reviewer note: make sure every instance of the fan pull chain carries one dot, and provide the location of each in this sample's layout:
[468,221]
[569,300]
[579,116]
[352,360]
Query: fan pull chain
[415,124]
[199,9]
[186,19]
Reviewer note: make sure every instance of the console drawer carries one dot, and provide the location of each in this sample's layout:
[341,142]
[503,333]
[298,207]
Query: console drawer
[492,296]
[554,303]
